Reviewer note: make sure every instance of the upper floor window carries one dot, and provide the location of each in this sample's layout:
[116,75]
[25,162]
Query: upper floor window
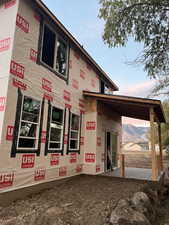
[104,89]
[54,51]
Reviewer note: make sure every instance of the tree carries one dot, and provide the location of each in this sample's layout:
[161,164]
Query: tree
[164,127]
[146,21]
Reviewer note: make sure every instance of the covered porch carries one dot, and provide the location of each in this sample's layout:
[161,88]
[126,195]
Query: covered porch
[139,108]
[132,173]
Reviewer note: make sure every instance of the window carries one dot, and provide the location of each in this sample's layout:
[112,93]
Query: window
[104,89]
[29,124]
[48,49]
[54,51]
[74,132]
[56,129]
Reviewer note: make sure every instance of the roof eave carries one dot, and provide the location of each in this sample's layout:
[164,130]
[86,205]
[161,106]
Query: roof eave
[70,36]
[156,104]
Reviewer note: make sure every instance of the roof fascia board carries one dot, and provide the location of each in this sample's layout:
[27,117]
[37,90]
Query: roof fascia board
[123,98]
[77,44]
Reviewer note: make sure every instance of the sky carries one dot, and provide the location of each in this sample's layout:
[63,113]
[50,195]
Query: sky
[81,19]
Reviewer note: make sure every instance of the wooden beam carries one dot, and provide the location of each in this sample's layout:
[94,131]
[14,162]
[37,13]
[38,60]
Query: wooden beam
[122,165]
[152,139]
[160,147]
[91,105]
[137,105]
[124,98]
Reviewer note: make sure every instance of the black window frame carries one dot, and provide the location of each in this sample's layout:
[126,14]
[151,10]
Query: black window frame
[54,29]
[104,87]
[14,149]
[47,150]
[69,133]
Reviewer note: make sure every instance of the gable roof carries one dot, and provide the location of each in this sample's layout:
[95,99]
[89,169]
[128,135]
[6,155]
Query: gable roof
[89,59]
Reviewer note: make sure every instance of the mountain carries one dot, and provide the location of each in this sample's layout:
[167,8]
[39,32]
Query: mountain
[131,133]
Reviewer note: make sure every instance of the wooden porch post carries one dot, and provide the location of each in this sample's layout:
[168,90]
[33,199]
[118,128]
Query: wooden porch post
[152,139]
[122,165]
[160,147]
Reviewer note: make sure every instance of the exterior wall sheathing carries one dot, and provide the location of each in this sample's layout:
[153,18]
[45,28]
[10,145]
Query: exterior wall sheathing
[26,41]
[107,121]
[7,28]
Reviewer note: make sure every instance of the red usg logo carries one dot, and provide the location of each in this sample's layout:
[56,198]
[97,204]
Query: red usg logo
[22,23]
[90,157]
[28,161]
[66,95]
[98,141]
[75,84]
[37,17]
[43,137]
[17,69]
[19,84]
[82,111]
[65,139]
[73,158]
[5,44]
[77,56]
[33,55]
[81,140]
[2,103]
[6,179]
[9,4]
[97,168]
[54,160]
[62,171]
[88,66]
[81,103]
[9,133]
[103,157]
[68,106]
[46,85]
[82,74]
[78,168]
[48,97]
[91,125]
[39,174]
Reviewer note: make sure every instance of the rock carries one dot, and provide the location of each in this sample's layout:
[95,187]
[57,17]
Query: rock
[12,221]
[49,217]
[54,211]
[164,192]
[142,204]
[153,196]
[166,178]
[124,214]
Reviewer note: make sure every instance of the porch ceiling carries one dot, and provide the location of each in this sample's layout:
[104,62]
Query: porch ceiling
[138,108]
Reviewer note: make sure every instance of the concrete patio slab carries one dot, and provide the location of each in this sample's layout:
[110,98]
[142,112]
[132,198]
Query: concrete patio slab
[135,173]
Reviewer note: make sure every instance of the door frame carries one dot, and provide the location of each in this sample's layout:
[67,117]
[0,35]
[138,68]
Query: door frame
[112,132]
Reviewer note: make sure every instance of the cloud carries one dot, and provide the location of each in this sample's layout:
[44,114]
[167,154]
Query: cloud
[90,31]
[139,90]
[135,122]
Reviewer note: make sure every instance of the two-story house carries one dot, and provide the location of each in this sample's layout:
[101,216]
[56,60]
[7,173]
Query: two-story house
[58,114]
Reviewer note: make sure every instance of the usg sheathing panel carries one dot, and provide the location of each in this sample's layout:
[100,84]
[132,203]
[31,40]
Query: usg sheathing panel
[25,169]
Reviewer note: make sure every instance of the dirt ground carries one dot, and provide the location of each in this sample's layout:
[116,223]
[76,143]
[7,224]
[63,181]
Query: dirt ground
[81,200]
[163,217]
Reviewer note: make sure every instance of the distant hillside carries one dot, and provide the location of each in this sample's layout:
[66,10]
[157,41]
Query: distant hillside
[134,134]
